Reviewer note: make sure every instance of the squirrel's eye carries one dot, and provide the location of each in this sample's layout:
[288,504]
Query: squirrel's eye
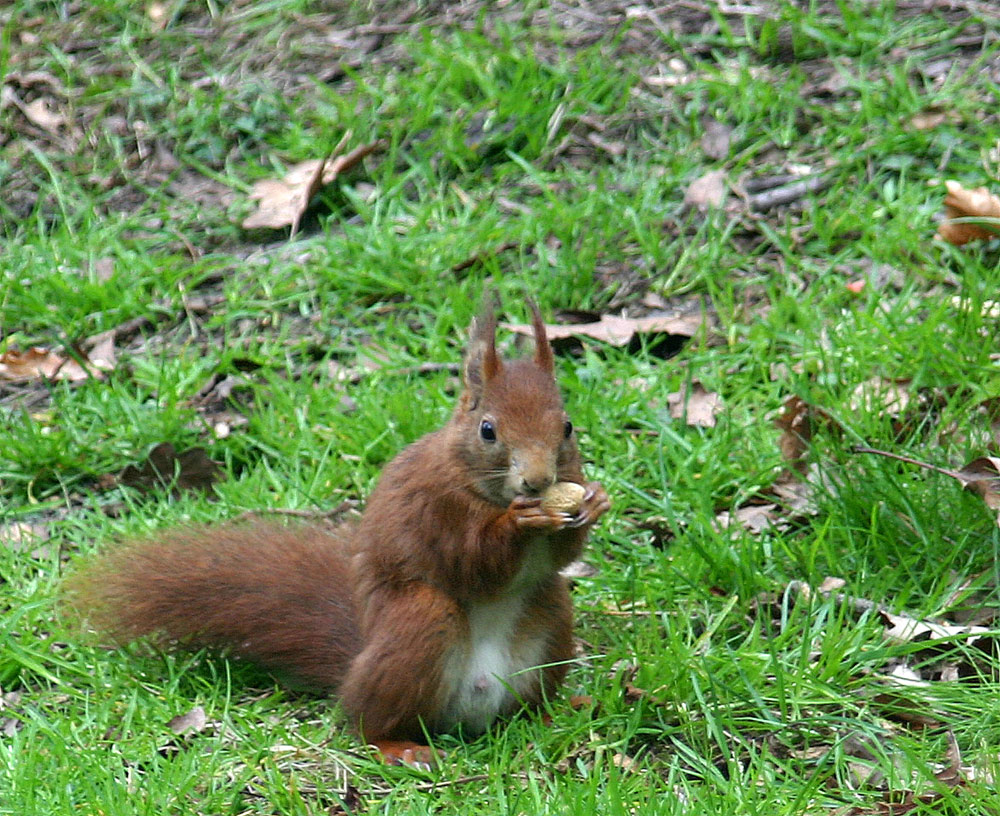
[487,431]
[568,429]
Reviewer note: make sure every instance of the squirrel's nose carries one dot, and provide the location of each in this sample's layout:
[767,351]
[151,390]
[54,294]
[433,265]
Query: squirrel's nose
[535,484]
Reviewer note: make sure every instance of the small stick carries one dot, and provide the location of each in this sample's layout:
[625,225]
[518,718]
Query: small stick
[354,376]
[343,507]
[787,192]
[910,461]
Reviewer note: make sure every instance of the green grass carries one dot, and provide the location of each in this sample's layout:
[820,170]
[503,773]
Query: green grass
[741,701]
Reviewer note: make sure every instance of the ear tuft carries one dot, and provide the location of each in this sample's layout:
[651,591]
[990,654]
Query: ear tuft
[482,363]
[543,349]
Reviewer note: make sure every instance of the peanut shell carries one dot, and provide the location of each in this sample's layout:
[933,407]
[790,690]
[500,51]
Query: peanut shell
[563,497]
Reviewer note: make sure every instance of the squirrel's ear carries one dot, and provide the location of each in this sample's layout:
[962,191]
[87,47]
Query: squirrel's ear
[482,363]
[543,350]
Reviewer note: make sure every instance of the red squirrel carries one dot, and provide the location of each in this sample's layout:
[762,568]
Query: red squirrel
[442,606]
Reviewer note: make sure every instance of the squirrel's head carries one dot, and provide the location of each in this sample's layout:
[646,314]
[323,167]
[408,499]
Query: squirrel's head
[513,432]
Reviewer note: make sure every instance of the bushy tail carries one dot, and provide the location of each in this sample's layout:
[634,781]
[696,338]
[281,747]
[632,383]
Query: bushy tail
[281,597]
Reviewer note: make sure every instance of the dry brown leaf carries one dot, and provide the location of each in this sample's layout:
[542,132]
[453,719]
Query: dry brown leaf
[931,119]
[796,486]
[193,721]
[39,113]
[104,269]
[796,431]
[798,422]
[661,527]
[698,407]
[708,191]
[715,140]
[190,470]
[625,762]
[283,202]
[578,569]
[963,203]
[795,492]
[831,583]
[900,628]
[951,774]
[617,331]
[40,363]
[904,629]
[19,536]
[982,477]
[880,394]
[101,350]
[10,701]
[755,518]
[897,707]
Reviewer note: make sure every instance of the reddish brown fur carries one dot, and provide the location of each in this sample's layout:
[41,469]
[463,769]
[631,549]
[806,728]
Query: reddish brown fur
[279,596]
[379,610]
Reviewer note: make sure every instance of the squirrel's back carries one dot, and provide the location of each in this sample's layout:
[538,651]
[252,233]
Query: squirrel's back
[279,596]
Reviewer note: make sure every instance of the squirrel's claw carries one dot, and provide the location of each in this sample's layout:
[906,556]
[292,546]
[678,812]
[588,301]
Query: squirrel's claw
[595,504]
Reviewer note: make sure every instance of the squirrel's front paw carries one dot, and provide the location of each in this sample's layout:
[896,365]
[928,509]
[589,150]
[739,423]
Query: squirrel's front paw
[595,504]
[529,513]
[411,754]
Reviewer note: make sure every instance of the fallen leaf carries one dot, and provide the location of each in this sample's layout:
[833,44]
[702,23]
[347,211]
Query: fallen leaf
[896,706]
[101,350]
[930,119]
[190,470]
[42,364]
[982,477]
[625,762]
[578,569]
[193,721]
[795,425]
[755,518]
[698,407]
[963,203]
[798,483]
[21,536]
[661,527]
[880,394]
[715,140]
[708,191]
[898,627]
[10,701]
[617,331]
[39,113]
[282,202]
[104,269]
[832,583]
[612,148]
[795,493]
[951,774]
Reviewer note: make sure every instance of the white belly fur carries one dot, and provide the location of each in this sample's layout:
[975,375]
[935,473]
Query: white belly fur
[493,672]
